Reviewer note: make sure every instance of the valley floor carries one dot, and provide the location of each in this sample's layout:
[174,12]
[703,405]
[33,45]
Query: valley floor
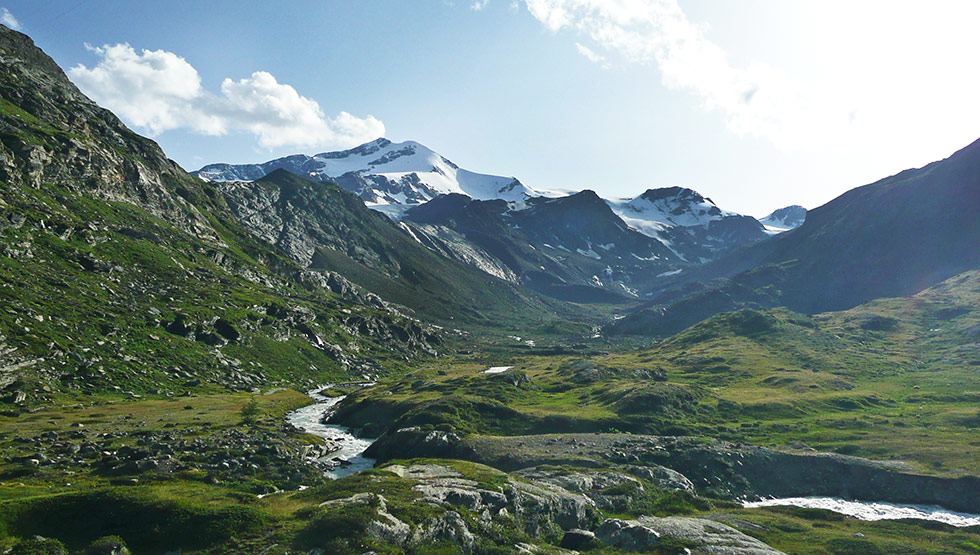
[634,449]
[188,473]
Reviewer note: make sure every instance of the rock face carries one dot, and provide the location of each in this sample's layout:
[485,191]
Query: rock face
[76,144]
[595,485]
[705,536]
[664,477]
[628,535]
[579,540]
[571,247]
[331,233]
[449,528]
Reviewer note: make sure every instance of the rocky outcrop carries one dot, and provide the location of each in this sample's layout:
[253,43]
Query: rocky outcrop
[607,489]
[705,536]
[384,527]
[540,507]
[664,477]
[449,528]
[53,134]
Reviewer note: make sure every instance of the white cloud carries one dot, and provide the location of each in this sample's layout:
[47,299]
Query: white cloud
[755,100]
[478,5]
[8,19]
[590,54]
[159,91]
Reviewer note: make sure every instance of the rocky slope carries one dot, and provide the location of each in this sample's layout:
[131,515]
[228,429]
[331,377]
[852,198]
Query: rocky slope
[326,229]
[574,248]
[121,272]
[502,231]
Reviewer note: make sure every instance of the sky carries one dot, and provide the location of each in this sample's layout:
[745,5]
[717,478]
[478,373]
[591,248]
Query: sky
[756,104]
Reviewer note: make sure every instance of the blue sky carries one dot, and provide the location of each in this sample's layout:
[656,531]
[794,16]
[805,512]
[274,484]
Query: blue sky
[757,104]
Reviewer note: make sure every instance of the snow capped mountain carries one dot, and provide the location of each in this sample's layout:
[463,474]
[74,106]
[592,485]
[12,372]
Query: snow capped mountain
[553,242]
[784,219]
[691,225]
[659,209]
[390,177]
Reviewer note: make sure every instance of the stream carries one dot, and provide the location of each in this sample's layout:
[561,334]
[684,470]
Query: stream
[867,510]
[350,457]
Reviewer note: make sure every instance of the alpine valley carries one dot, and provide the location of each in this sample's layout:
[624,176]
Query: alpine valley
[375,350]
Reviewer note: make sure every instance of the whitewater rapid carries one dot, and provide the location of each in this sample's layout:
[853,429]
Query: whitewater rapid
[310,419]
[868,510]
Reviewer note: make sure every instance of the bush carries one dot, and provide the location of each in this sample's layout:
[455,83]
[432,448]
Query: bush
[152,523]
[39,546]
[250,412]
[107,545]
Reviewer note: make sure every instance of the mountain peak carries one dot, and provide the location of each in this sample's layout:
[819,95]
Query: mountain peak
[674,206]
[784,219]
[680,193]
[390,177]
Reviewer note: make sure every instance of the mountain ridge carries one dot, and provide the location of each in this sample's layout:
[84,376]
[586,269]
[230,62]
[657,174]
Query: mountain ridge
[890,238]
[394,178]
[388,176]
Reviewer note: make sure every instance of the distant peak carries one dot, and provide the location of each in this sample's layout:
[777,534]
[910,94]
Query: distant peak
[788,217]
[280,176]
[682,193]
[586,193]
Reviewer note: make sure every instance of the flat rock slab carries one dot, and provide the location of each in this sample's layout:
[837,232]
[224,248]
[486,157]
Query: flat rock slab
[706,536]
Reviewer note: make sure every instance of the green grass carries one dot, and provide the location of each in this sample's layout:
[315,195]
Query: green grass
[894,379]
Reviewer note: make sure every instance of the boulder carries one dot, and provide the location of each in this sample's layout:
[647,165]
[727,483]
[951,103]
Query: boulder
[664,477]
[579,540]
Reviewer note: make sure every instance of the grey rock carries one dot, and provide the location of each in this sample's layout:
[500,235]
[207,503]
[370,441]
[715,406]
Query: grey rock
[386,527]
[629,535]
[541,506]
[706,536]
[449,527]
[666,478]
[579,540]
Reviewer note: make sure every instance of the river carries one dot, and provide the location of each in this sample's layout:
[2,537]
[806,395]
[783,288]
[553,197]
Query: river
[309,419]
[868,510]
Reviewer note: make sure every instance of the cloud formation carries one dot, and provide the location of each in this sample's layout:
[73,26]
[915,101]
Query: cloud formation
[590,54]
[159,91]
[8,19]
[478,5]
[755,100]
